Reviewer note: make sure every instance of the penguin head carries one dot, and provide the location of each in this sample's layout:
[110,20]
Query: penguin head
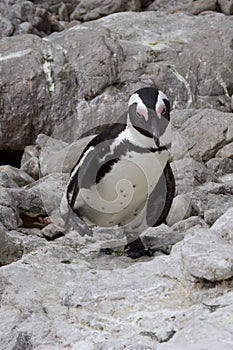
[149,112]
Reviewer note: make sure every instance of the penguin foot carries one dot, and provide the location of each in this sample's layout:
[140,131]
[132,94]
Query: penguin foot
[136,249]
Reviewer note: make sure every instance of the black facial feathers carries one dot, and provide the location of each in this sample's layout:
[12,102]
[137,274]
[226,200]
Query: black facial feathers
[149,96]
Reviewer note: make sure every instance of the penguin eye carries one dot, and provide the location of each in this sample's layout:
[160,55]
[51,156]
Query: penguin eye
[142,113]
[163,113]
[140,116]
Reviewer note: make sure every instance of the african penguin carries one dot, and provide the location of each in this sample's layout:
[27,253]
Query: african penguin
[123,176]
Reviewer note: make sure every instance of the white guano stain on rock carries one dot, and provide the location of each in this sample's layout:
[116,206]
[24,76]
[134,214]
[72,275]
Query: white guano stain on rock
[186,84]
[15,55]
[47,68]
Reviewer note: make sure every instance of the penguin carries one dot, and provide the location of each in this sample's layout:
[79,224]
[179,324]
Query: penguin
[123,176]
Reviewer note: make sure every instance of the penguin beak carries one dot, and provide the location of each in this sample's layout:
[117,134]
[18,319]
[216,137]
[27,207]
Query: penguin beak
[155,129]
[156,139]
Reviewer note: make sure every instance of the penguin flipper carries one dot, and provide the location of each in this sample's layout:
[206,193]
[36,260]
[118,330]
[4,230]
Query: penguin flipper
[161,198]
[72,217]
[79,225]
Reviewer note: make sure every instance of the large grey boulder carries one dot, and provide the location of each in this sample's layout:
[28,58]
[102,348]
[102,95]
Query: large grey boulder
[48,147]
[186,224]
[207,256]
[24,112]
[211,196]
[226,6]
[15,244]
[181,209]
[205,134]
[87,10]
[50,155]
[6,28]
[58,92]
[196,7]
[64,160]
[190,173]
[160,236]
[188,6]
[11,249]
[208,337]
[222,163]
[9,216]
[224,225]
[19,177]
[30,161]
[41,198]
[164,5]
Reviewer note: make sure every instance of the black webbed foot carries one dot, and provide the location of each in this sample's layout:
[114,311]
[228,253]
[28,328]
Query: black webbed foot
[135,249]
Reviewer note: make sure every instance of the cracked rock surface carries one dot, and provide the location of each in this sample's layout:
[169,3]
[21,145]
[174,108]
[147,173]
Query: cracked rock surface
[91,69]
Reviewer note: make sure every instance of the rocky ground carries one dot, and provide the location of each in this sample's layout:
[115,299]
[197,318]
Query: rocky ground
[43,17]
[64,74]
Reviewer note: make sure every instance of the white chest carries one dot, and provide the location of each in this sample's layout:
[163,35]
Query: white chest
[122,193]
